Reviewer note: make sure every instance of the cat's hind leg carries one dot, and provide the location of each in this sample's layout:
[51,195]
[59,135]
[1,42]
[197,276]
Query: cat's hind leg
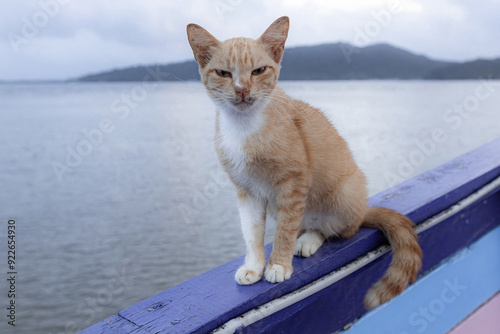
[308,243]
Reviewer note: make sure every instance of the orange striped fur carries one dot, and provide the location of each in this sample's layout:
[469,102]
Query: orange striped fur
[286,160]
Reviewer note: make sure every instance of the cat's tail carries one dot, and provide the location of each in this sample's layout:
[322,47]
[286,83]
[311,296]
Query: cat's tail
[406,254]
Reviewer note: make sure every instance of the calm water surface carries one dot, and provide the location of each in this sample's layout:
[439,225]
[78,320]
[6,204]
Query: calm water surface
[117,193]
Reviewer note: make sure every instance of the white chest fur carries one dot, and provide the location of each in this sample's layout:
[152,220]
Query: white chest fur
[235,131]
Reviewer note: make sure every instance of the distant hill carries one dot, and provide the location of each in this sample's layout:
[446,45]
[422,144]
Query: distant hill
[343,61]
[172,72]
[469,70]
[336,61]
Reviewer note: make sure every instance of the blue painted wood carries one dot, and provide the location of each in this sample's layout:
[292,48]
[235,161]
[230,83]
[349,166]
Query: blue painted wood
[115,325]
[433,191]
[213,298]
[444,297]
[347,295]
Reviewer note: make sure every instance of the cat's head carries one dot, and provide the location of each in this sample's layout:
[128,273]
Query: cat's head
[240,74]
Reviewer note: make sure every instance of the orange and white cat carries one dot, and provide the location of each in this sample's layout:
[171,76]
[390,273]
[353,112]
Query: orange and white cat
[287,160]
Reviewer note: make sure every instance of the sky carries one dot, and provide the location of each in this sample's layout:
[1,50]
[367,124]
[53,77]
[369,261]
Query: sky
[65,39]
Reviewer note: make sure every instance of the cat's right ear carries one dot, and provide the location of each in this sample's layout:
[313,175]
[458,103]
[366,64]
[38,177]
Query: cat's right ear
[202,43]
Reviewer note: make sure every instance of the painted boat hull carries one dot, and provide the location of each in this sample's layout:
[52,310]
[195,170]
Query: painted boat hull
[456,207]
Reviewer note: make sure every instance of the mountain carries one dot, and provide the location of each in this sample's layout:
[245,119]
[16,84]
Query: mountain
[480,68]
[343,61]
[172,72]
[336,61]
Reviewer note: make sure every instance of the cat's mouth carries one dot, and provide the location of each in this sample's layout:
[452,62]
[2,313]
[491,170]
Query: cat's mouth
[243,105]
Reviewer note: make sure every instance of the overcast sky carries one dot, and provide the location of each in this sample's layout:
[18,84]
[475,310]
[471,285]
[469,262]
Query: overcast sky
[61,39]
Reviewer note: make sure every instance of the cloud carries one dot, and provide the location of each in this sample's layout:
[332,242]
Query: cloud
[74,38]
[90,35]
[449,30]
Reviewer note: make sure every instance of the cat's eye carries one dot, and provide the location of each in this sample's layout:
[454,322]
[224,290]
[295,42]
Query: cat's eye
[224,74]
[259,70]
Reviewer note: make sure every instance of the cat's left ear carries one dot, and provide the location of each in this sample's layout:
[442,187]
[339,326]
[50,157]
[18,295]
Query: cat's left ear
[202,43]
[275,37]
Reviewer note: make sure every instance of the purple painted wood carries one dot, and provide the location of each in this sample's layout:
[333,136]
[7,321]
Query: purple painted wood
[342,302]
[115,325]
[435,190]
[213,298]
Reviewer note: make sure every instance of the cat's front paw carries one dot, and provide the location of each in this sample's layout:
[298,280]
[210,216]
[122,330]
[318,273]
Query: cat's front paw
[276,273]
[247,275]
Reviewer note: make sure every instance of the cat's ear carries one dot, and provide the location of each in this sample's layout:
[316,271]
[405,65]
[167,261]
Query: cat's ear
[202,43]
[274,38]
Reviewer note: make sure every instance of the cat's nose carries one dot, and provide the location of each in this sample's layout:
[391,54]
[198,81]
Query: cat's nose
[242,92]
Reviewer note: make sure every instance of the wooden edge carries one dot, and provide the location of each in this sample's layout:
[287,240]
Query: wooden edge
[115,324]
[208,301]
[344,289]
[448,294]
[485,318]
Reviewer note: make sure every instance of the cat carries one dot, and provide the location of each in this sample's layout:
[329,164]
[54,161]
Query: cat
[287,160]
